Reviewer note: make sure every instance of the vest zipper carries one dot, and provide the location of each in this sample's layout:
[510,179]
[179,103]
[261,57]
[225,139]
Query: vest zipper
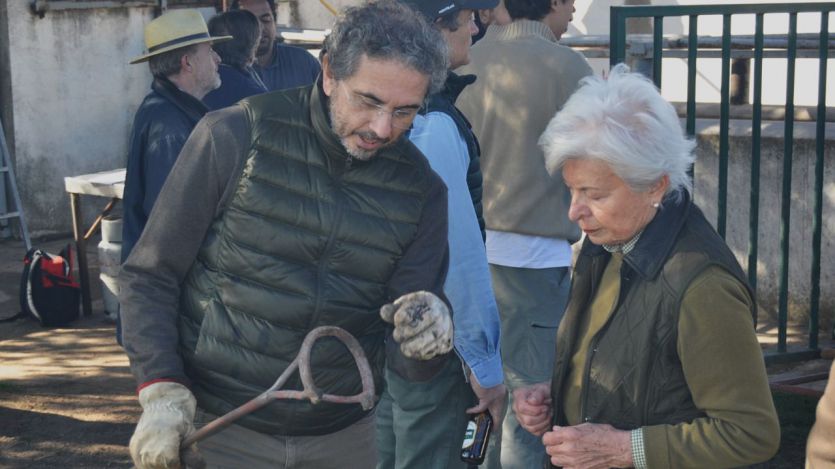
[594,343]
[322,267]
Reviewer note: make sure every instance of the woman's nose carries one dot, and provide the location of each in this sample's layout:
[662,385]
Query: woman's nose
[576,210]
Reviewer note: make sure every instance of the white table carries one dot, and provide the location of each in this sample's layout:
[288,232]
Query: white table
[110,184]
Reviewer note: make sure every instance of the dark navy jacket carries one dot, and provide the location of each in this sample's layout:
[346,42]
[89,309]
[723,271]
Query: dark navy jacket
[235,85]
[291,67]
[161,126]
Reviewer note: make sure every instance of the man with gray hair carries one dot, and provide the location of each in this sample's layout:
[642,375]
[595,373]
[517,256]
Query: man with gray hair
[288,211]
[185,69]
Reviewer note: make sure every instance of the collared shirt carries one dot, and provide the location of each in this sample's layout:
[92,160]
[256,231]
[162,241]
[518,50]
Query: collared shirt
[625,247]
[468,287]
[235,85]
[291,67]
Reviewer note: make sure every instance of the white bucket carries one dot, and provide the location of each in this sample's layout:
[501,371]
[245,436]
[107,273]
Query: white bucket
[111,230]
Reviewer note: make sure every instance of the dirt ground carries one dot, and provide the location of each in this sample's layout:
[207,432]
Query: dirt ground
[67,396]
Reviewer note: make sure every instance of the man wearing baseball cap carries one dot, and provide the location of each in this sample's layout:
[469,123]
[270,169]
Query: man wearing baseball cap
[529,234]
[422,425]
[184,68]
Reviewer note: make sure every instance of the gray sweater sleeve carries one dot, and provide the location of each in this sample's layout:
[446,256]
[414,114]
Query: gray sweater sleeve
[199,185]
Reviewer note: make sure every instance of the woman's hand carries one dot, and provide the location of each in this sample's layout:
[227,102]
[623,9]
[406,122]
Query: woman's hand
[532,405]
[588,446]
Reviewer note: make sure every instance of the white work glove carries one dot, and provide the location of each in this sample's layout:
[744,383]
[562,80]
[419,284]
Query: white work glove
[422,324]
[167,417]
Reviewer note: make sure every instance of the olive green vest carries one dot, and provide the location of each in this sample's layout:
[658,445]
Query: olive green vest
[309,238]
[633,376]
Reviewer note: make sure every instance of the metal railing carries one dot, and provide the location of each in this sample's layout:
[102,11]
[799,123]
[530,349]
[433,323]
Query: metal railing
[617,55]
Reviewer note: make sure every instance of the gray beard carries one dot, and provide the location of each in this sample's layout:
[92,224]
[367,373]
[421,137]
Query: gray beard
[358,153]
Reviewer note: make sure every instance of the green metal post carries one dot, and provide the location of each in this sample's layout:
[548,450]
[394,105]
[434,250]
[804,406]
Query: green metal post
[657,49]
[814,311]
[724,123]
[785,216]
[617,36]
[756,146]
[692,50]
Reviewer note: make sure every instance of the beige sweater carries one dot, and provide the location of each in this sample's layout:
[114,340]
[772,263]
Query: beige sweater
[820,449]
[524,78]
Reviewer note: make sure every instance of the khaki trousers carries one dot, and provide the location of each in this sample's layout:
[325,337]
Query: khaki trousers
[237,447]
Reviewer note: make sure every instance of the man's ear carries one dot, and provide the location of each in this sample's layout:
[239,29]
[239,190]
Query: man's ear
[185,63]
[328,82]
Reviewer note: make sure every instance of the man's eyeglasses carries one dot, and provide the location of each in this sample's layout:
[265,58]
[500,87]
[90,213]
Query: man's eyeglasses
[401,118]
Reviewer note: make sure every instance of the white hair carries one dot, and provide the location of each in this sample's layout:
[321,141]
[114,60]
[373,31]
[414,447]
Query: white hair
[624,122]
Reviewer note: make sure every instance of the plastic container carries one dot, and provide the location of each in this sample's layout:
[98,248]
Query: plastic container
[110,259]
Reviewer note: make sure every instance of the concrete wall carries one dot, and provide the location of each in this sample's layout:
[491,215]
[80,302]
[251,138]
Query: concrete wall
[310,14]
[71,101]
[802,205]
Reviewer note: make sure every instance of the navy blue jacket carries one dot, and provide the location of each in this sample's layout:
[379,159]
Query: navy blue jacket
[291,67]
[235,85]
[161,126]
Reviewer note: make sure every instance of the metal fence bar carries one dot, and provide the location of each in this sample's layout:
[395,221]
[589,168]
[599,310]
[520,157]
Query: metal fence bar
[724,118]
[785,213]
[657,48]
[756,131]
[617,31]
[759,47]
[692,50]
[814,297]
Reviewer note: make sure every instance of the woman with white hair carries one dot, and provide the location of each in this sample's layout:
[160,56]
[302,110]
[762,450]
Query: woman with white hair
[657,362]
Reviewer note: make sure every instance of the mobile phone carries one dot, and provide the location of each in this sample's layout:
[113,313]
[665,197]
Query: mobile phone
[476,437]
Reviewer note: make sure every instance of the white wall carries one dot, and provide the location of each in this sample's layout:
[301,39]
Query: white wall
[73,100]
[310,14]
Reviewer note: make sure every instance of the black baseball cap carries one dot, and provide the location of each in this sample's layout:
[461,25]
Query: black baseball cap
[434,9]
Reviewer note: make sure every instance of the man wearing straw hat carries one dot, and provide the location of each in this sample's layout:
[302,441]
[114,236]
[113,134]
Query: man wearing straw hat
[184,67]
[288,211]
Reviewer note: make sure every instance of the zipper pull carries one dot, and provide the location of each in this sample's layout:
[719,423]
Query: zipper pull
[348,162]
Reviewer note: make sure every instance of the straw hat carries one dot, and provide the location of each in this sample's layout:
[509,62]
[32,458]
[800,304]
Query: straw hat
[174,30]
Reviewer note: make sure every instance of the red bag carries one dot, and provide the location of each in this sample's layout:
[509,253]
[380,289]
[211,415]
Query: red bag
[47,289]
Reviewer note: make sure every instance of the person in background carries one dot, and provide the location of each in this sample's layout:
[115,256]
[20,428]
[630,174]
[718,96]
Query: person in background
[238,78]
[422,425]
[524,77]
[185,69]
[288,211]
[657,361]
[484,17]
[820,448]
[279,65]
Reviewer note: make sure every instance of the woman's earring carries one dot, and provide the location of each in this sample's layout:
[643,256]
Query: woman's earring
[655,205]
